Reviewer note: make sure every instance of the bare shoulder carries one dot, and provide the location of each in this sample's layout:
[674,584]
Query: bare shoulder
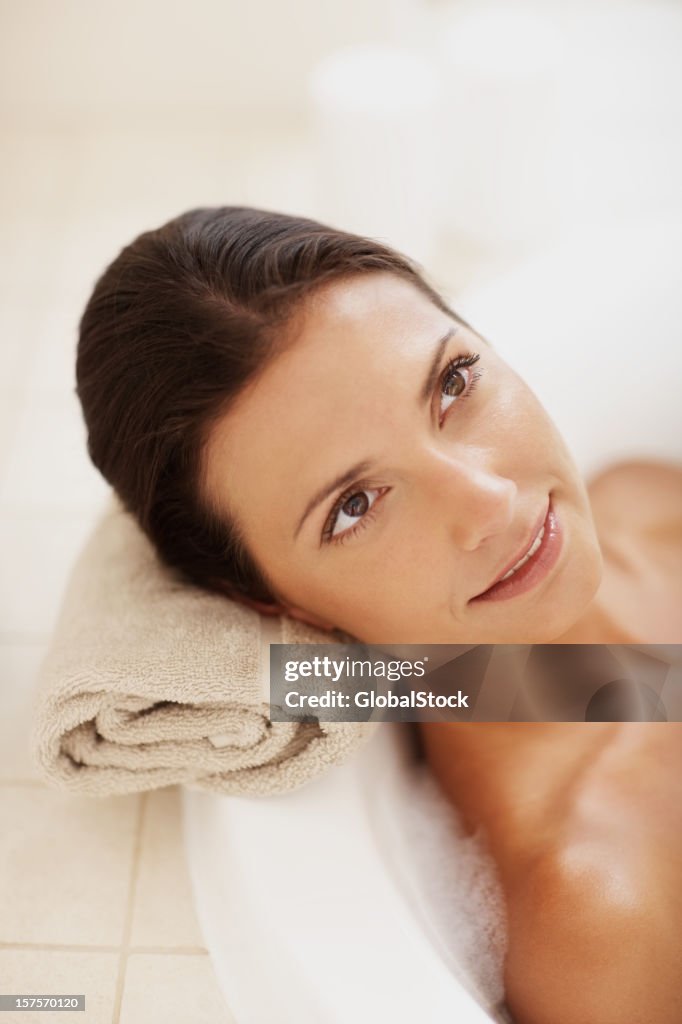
[585,824]
[638,494]
[594,921]
[589,941]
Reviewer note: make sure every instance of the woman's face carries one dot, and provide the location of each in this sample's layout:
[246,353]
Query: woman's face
[384,488]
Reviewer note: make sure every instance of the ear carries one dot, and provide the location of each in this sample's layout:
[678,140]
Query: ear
[265,608]
[312,620]
[291,610]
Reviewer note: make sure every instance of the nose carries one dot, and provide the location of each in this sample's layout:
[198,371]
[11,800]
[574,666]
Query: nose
[468,496]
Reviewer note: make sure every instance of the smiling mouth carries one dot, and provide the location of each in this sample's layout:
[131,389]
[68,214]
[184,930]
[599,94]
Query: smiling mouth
[529,554]
[533,564]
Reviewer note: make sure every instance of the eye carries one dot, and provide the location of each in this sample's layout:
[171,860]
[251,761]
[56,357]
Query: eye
[350,512]
[457,380]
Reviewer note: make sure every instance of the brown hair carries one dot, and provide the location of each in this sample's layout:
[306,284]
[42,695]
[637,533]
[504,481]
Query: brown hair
[176,326]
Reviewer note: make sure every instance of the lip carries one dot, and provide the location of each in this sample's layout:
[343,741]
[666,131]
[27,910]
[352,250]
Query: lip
[536,568]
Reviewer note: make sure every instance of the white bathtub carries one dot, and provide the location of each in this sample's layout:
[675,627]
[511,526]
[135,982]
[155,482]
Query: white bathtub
[311,904]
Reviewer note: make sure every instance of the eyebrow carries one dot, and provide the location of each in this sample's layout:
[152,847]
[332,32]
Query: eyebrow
[362,467]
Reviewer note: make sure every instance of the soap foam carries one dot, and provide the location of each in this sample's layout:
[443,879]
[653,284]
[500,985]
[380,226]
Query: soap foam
[458,885]
[448,878]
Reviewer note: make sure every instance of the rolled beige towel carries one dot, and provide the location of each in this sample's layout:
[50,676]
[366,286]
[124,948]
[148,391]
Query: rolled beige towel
[149,681]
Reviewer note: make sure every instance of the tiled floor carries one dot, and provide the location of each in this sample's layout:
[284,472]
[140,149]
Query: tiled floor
[94,894]
[96,900]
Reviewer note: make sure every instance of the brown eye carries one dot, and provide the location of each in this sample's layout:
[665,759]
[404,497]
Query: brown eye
[356,505]
[351,513]
[454,384]
[457,380]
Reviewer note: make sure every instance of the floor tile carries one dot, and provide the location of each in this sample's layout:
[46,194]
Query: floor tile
[65,866]
[48,466]
[164,912]
[55,972]
[38,177]
[29,256]
[20,325]
[19,663]
[173,989]
[38,548]
[51,366]
[11,404]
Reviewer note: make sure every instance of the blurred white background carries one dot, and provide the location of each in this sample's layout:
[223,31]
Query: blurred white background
[472,134]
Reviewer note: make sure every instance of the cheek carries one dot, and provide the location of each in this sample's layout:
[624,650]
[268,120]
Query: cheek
[516,426]
[544,450]
[527,433]
[419,579]
[369,588]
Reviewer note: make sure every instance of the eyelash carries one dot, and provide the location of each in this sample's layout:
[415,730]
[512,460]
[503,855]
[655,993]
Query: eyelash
[467,359]
[364,520]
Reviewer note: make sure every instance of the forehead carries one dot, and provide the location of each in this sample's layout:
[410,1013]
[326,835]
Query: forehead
[327,400]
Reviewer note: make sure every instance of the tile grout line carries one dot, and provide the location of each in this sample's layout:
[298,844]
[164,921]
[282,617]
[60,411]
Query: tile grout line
[130,909]
[65,947]
[164,950]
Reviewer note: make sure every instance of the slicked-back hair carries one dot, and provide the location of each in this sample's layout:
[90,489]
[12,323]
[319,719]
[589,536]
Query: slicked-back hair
[177,325]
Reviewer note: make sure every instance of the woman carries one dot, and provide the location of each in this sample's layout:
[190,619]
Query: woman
[298,420]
